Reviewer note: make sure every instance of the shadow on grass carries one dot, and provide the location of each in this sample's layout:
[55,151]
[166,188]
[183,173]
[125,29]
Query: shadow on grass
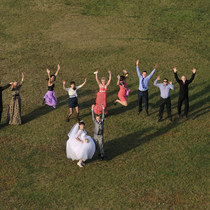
[124,144]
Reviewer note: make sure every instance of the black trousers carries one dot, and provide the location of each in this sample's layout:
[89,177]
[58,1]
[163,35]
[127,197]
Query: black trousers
[163,102]
[1,110]
[186,102]
[144,95]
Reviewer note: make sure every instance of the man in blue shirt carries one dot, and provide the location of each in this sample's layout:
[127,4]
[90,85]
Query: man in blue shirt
[143,87]
[164,97]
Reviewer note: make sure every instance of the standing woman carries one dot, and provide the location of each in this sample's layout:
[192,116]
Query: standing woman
[101,97]
[73,101]
[50,98]
[124,91]
[14,112]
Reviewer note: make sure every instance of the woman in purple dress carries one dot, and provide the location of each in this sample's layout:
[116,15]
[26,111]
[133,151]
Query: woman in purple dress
[50,98]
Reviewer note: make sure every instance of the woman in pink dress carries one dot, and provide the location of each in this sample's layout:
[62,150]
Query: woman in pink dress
[124,91]
[101,96]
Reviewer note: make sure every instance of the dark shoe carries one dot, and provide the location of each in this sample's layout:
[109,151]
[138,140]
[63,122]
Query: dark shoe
[170,118]
[179,116]
[102,158]
[147,113]
[99,155]
[159,120]
[115,103]
[67,119]
[139,111]
[186,117]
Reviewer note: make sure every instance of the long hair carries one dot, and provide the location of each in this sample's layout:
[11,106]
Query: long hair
[52,75]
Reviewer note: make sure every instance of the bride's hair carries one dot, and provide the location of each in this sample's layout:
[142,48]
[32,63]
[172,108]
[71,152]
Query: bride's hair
[81,122]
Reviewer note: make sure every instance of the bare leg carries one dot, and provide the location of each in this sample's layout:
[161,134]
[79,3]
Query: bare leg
[69,115]
[80,163]
[77,110]
[124,103]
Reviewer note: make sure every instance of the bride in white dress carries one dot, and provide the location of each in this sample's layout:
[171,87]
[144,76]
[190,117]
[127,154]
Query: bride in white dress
[80,146]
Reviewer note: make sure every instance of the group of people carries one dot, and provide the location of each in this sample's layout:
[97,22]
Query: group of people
[80,146]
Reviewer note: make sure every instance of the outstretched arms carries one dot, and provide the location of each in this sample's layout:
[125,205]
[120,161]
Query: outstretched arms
[110,78]
[193,75]
[93,114]
[83,83]
[6,86]
[151,74]
[155,82]
[175,75]
[97,80]
[118,79]
[58,69]
[22,80]
[137,69]
[171,86]
[64,84]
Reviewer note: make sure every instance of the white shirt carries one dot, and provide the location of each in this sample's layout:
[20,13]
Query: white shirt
[73,93]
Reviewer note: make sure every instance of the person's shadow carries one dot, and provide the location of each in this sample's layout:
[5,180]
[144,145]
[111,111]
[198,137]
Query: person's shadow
[124,144]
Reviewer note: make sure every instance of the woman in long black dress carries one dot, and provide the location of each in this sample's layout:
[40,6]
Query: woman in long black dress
[14,112]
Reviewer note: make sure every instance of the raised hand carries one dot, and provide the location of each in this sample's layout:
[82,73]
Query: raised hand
[64,82]
[194,70]
[118,77]
[175,70]
[156,65]
[158,77]
[85,80]
[137,62]
[170,82]
[59,67]
[109,72]
[22,76]
[48,71]
[124,71]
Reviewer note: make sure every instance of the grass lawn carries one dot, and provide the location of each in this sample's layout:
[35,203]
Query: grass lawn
[148,165]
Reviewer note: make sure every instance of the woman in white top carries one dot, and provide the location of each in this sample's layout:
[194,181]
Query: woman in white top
[73,101]
[79,146]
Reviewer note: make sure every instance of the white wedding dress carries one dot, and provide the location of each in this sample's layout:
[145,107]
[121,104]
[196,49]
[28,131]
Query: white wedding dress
[77,150]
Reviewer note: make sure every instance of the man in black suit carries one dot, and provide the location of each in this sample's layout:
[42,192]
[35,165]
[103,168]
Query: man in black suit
[1,103]
[183,91]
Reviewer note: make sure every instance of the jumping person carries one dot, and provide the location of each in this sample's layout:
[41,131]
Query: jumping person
[2,88]
[73,101]
[99,132]
[164,97]
[124,91]
[143,87]
[50,98]
[183,91]
[101,97]
[14,111]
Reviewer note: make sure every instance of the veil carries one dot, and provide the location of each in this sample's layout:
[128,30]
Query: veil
[71,135]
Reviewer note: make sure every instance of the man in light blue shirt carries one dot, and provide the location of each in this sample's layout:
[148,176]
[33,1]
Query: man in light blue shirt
[143,87]
[164,97]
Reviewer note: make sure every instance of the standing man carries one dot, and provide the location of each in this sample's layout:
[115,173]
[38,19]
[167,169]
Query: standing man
[164,97]
[143,87]
[183,91]
[99,132]
[1,103]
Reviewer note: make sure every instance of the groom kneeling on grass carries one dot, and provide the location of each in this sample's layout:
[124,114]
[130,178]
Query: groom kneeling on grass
[99,132]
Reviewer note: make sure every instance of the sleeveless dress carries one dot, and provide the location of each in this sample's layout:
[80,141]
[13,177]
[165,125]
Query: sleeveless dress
[101,100]
[50,98]
[77,150]
[14,111]
[123,93]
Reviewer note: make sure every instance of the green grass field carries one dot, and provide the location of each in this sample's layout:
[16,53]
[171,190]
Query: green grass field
[149,165]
